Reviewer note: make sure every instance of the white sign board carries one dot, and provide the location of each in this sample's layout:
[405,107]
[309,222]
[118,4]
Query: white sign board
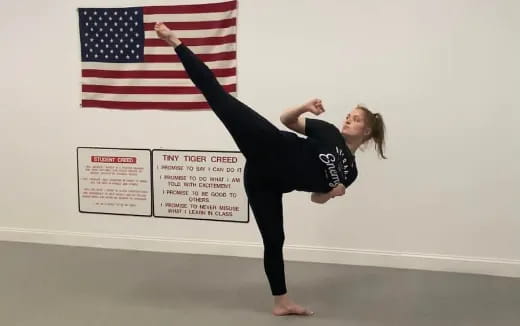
[199,185]
[114,181]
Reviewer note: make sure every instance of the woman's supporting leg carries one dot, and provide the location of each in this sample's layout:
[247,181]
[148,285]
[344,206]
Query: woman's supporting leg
[268,212]
[265,199]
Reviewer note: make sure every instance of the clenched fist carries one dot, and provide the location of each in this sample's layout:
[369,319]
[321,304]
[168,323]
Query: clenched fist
[314,106]
[339,190]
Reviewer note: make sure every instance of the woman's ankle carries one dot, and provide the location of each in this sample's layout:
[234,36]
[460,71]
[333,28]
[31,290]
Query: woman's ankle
[175,42]
[281,299]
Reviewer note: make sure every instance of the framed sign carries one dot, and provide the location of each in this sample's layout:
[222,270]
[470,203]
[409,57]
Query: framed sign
[202,185]
[114,181]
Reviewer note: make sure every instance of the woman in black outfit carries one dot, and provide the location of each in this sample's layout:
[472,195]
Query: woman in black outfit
[278,161]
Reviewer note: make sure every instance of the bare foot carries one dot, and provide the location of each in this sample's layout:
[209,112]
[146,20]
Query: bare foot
[291,310]
[285,306]
[164,33]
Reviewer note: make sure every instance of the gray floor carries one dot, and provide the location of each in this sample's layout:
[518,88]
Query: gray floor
[58,285]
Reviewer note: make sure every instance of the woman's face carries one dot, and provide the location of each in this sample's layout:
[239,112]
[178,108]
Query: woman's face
[355,125]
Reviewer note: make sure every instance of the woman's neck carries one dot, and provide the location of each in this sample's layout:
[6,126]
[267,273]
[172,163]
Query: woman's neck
[353,144]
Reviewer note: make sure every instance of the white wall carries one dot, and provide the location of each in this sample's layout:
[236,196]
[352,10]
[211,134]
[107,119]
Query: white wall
[442,73]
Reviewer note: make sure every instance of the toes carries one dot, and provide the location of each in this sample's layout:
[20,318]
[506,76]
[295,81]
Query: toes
[158,25]
[303,312]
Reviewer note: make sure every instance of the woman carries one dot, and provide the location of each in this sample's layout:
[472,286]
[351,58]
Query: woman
[278,161]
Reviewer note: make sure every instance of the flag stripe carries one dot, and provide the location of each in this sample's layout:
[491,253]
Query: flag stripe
[188,17]
[146,105]
[197,33]
[148,89]
[195,25]
[150,82]
[194,41]
[204,57]
[150,74]
[224,64]
[203,49]
[191,9]
[144,97]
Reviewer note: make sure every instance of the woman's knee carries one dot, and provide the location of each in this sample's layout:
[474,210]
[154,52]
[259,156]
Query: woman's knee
[274,242]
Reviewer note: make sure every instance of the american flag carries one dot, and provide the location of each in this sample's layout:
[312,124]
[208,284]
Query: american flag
[124,65]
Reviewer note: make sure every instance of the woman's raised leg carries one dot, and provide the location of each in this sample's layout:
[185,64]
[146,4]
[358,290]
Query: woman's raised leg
[254,135]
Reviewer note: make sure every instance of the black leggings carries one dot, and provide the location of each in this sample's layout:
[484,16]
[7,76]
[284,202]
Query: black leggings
[260,142]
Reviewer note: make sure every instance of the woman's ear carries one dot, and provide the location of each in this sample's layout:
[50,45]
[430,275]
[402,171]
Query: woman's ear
[367,132]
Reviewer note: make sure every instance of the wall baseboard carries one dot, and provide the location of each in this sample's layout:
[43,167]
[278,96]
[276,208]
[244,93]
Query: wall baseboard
[389,259]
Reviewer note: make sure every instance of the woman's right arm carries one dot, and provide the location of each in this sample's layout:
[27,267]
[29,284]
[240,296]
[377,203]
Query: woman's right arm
[292,117]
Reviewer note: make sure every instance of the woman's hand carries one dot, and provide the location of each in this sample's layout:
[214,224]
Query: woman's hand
[323,197]
[339,190]
[314,106]
[320,197]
